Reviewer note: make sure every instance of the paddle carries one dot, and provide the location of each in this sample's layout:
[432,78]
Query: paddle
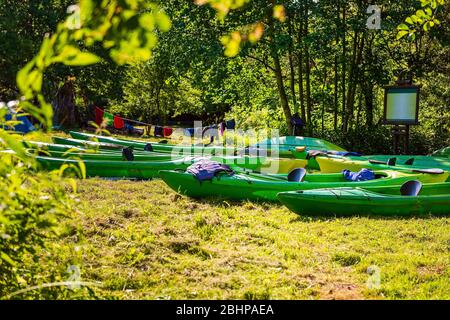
[390,162]
[430,171]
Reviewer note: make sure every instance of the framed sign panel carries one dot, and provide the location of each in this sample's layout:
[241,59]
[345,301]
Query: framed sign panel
[401,105]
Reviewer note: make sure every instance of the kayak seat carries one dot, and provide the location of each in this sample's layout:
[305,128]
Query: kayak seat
[391,161]
[411,188]
[409,162]
[148,147]
[163,141]
[296,175]
[127,153]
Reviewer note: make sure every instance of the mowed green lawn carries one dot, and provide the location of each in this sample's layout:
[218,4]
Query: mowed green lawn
[143,241]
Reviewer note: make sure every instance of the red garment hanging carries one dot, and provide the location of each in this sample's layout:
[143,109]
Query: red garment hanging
[168,132]
[118,122]
[98,116]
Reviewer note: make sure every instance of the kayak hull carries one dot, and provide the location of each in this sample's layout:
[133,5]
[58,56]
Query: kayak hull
[115,169]
[337,164]
[266,187]
[355,201]
[150,169]
[284,146]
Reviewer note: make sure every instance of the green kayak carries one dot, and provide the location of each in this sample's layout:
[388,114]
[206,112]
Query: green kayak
[266,187]
[410,161]
[282,146]
[117,169]
[149,169]
[63,148]
[337,164]
[178,150]
[434,199]
[103,156]
[87,144]
[413,161]
[444,152]
[51,146]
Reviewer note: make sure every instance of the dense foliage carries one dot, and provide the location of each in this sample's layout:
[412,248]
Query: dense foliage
[321,61]
[32,203]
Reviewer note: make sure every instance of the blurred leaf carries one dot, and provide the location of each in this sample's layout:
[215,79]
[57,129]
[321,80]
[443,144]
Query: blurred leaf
[279,12]
[401,34]
[6,258]
[82,59]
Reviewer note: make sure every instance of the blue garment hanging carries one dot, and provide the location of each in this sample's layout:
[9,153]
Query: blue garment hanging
[230,124]
[159,131]
[189,132]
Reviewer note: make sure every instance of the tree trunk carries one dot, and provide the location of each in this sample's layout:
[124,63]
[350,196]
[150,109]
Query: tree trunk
[344,67]
[279,76]
[291,66]
[308,77]
[336,73]
[358,45]
[368,101]
[65,112]
[336,89]
[300,68]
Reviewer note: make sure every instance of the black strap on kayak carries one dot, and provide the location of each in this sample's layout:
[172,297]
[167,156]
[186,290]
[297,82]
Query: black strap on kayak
[314,153]
[128,154]
[391,161]
[430,171]
[148,147]
[296,175]
[409,162]
[411,188]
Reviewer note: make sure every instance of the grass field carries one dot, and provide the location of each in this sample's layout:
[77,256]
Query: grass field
[143,241]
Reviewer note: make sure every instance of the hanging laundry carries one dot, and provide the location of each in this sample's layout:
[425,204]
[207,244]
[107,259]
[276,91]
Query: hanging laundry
[189,132]
[198,132]
[222,128]
[118,122]
[98,116]
[109,118]
[147,130]
[159,131]
[129,128]
[168,131]
[230,124]
[210,132]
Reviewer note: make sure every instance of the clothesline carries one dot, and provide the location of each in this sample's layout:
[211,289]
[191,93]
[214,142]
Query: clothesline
[121,123]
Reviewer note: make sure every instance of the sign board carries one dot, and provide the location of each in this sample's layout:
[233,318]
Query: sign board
[401,105]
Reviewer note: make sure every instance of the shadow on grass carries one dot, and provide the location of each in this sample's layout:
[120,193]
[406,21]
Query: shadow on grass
[332,217]
[223,202]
